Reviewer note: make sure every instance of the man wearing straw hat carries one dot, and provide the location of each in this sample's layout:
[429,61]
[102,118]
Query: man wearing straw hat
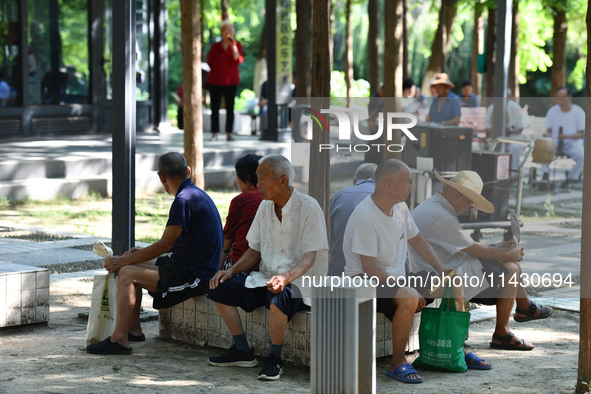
[446,108]
[437,220]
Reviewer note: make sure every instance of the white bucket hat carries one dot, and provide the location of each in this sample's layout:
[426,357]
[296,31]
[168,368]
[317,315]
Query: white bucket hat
[470,185]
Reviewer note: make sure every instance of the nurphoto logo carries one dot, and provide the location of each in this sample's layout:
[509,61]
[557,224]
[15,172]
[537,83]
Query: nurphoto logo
[348,121]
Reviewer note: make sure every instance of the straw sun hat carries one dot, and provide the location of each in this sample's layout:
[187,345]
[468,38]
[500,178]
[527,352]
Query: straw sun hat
[442,79]
[470,185]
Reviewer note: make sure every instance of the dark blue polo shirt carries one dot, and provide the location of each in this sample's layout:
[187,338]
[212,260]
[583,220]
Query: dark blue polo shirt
[199,246]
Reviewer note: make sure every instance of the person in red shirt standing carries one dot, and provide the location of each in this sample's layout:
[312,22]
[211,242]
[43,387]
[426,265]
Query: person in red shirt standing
[242,211]
[223,59]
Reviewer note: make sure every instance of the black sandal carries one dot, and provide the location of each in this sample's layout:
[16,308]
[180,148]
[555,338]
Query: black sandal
[107,347]
[506,344]
[530,313]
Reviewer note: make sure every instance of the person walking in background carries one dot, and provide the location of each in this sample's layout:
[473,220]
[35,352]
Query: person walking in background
[223,59]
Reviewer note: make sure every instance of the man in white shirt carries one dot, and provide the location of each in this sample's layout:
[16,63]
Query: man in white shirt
[437,220]
[288,237]
[513,127]
[342,205]
[375,243]
[565,123]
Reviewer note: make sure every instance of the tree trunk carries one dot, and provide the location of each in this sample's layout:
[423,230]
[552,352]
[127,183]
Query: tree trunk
[491,38]
[393,14]
[192,114]
[348,52]
[477,48]
[584,372]
[440,46]
[559,49]
[303,47]
[405,59]
[393,48]
[373,45]
[320,161]
[331,7]
[514,56]
[225,7]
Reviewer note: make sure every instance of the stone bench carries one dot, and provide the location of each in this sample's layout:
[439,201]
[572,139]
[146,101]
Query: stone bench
[24,294]
[197,321]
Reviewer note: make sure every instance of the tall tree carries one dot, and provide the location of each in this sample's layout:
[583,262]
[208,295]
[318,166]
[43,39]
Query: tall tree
[348,52]
[440,46]
[225,7]
[321,67]
[373,44]
[405,57]
[477,47]
[192,114]
[303,48]
[559,45]
[393,14]
[514,55]
[491,39]
[393,48]
[584,370]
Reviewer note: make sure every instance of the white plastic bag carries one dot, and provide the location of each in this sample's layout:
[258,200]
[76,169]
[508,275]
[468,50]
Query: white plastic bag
[103,304]
[103,309]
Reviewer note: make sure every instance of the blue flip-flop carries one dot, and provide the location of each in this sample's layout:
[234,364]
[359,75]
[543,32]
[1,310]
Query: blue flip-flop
[473,362]
[401,373]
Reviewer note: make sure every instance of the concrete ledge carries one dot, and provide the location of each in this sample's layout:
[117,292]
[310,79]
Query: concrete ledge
[24,295]
[197,321]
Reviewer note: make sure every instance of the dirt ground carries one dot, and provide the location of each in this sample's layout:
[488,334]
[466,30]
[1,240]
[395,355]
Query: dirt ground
[51,358]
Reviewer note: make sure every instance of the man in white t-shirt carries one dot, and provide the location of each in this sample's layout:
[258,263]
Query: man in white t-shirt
[513,127]
[565,123]
[375,243]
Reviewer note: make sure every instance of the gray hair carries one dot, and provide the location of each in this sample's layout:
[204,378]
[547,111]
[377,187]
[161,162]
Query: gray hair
[173,165]
[365,171]
[279,166]
[226,22]
[389,167]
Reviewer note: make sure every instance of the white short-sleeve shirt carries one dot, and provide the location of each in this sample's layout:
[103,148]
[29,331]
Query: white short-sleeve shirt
[437,221]
[372,233]
[571,122]
[283,243]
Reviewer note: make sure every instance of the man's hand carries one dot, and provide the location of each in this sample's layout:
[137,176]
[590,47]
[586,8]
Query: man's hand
[277,283]
[113,263]
[219,277]
[421,304]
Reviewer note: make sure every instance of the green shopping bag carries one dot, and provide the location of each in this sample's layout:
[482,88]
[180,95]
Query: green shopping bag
[441,336]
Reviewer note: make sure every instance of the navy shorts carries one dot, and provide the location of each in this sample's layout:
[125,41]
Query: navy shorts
[176,284]
[234,293]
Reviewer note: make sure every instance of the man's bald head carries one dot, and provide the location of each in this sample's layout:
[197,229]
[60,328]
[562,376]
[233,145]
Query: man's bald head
[388,168]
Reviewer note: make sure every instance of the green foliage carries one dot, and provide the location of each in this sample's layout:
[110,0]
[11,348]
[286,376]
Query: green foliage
[240,102]
[338,87]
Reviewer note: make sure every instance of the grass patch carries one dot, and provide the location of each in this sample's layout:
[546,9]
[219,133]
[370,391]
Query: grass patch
[91,215]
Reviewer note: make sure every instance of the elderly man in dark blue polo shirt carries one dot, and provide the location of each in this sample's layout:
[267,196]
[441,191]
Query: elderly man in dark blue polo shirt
[193,234]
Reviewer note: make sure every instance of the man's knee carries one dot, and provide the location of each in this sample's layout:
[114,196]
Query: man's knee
[407,298]
[127,273]
[276,312]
